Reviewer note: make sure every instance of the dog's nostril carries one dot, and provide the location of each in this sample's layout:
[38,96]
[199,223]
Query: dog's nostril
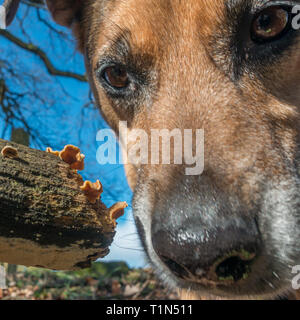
[176,268]
[233,269]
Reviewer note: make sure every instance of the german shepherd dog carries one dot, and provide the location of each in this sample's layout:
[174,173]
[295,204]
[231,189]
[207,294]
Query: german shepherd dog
[231,68]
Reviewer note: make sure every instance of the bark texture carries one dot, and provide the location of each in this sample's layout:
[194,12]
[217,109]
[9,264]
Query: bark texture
[45,219]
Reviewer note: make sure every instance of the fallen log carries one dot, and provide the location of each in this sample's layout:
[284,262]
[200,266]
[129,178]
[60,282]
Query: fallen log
[46,219]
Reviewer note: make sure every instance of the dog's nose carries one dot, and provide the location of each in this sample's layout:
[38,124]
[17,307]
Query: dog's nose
[222,253]
[202,234]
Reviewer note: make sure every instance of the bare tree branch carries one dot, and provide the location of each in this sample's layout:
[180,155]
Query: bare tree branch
[35,3]
[45,22]
[43,56]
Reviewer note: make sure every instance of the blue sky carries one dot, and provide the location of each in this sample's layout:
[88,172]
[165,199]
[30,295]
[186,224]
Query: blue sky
[63,115]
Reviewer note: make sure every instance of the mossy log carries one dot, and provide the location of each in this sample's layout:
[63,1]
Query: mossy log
[45,218]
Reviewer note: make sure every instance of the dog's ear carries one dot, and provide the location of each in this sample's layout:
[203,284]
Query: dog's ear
[65,12]
[11,7]
[68,13]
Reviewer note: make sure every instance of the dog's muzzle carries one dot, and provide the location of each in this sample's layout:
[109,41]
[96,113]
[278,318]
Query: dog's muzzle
[201,237]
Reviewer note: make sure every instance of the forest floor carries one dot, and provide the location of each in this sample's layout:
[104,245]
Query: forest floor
[103,281]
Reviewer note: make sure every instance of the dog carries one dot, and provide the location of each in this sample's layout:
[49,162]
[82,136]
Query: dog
[229,67]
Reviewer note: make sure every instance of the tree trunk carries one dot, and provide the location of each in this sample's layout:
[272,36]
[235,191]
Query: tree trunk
[45,219]
[20,136]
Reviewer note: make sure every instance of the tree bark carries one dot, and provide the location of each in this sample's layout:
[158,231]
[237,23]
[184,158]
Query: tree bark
[45,219]
[20,136]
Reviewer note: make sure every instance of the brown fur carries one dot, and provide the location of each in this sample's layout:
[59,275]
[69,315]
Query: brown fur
[251,124]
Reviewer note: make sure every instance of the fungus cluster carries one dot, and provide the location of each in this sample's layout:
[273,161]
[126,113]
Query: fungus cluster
[9,152]
[71,155]
[92,190]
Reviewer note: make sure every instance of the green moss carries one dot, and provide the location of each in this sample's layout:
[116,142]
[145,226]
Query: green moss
[245,276]
[230,278]
[246,255]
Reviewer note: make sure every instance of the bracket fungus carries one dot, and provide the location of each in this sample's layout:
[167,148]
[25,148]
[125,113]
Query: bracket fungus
[92,190]
[9,152]
[117,210]
[71,155]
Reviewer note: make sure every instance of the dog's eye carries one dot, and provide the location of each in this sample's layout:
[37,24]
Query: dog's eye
[270,23]
[117,77]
